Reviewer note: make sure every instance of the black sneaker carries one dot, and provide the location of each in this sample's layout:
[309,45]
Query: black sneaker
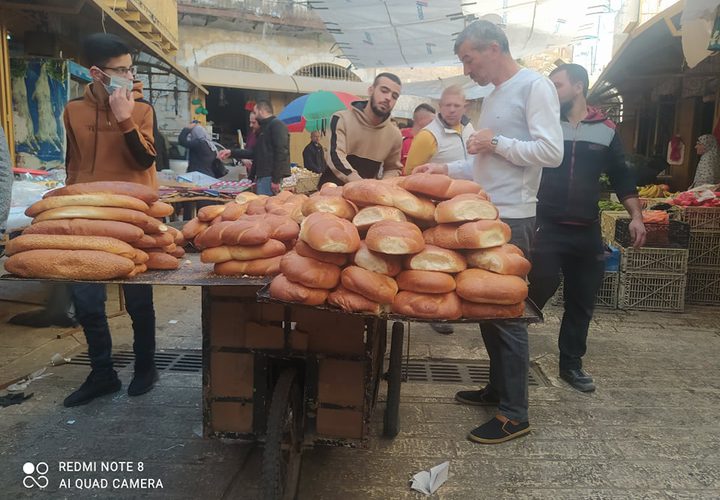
[578,379]
[495,431]
[444,328]
[483,397]
[95,385]
[143,381]
[43,319]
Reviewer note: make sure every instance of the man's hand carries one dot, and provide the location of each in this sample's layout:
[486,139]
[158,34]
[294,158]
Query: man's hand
[431,168]
[275,187]
[354,176]
[223,154]
[122,103]
[479,142]
[637,232]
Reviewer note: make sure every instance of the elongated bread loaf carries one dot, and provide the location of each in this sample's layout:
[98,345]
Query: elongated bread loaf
[328,233]
[369,192]
[465,207]
[395,238]
[162,261]
[224,253]
[309,272]
[506,259]
[370,215]
[160,209]
[374,286]
[471,235]
[439,186]
[258,267]
[146,194]
[302,248]
[193,227]
[492,311]
[208,213]
[434,258]
[69,264]
[134,217]
[86,227]
[141,257]
[155,240]
[234,210]
[283,289]
[27,242]
[350,301]
[428,305]
[484,287]
[389,265]
[425,281]
[414,206]
[91,200]
[336,205]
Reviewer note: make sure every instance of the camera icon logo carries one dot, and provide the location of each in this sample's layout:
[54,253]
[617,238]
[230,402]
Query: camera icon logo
[31,470]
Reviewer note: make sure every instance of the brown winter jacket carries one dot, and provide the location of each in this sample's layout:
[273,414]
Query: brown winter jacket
[99,148]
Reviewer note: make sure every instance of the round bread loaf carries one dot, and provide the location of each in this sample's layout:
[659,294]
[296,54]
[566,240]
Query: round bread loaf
[146,194]
[465,207]
[389,265]
[374,286]
[27,242]
[352,302]
[328,233]
[224,253]
[309,272]
[370,215]
[336,205]
[492,311]
[434,258]
[160,209]
[484,287]
[193,227]
[433,185]
[234,210]
[209,212]
[502,260]
[428,305]
[463,186]
[88,200]
[86,227]
[258,267]
[302,248]
[155,240]
[471,235]
[283,289]
[425,282]
[162,261]
[69,264]
[414,206]
[369,192]
[395,238]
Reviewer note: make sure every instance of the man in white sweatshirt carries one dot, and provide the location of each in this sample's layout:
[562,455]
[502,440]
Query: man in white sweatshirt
[518,134]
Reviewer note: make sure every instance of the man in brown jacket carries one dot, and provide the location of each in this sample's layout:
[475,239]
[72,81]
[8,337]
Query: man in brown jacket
[110,138]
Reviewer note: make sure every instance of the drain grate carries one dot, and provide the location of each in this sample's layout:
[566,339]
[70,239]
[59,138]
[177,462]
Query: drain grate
[448,372]
[169,360]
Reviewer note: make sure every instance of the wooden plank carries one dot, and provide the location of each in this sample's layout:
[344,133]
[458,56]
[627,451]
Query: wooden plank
[130,15]
[142,27]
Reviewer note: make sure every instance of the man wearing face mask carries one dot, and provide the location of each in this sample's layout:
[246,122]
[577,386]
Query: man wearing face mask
[110,138]
[362,138]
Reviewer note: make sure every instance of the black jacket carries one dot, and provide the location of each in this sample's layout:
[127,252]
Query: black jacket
[314,158]
[200,156]
[271,154]
[570,192]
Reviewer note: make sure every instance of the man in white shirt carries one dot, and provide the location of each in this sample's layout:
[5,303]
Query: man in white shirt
[518,134]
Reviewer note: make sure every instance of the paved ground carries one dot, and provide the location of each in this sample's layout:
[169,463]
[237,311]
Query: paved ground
[650,431]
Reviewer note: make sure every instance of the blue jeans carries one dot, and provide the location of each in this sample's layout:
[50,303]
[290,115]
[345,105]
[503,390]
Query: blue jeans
[89,300]
[263,185]
[507,344]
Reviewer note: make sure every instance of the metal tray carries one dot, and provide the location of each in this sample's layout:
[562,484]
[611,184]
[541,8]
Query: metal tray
[532,313]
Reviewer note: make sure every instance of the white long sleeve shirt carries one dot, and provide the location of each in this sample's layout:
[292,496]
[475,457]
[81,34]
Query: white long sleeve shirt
[524,113]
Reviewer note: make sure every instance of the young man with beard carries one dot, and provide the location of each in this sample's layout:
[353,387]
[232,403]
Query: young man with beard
[110,138]
[518,135]
[362,138]
[568,236]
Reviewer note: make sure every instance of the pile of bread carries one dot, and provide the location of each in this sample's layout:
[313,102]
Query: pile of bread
[424,246]
[95,231]
[249,236]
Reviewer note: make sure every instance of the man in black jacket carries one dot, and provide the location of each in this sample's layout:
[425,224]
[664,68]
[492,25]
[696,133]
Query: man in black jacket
[568,236]
[314,154]
[271,154]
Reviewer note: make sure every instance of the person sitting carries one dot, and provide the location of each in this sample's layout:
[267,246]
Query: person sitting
[708,169]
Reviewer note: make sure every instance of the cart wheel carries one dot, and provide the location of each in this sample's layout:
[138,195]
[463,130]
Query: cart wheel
[283,442]
[391,425]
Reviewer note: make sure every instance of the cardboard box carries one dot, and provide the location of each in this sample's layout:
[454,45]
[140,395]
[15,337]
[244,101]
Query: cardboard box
[240,292]
[341,382]
[339,423]
[231,374]
[331,333]
[299,340]
[263,336]
[227,324]
[226,416]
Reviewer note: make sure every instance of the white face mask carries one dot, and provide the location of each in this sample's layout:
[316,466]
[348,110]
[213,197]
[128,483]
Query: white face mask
[112,83]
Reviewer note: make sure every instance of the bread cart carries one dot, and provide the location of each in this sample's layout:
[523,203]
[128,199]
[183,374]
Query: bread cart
[289,375]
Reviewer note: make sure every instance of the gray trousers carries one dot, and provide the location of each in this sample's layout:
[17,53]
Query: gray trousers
[507,344]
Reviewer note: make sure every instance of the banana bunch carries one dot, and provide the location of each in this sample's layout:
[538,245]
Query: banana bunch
[651,191]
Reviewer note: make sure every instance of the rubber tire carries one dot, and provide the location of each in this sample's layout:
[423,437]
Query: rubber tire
[391,420]
[280,480]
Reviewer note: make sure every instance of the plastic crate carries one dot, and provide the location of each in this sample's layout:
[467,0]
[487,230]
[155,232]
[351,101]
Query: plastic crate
[607,223]
[652,292]
[703,286]
[705,218]
[607,296]
[654,260]
[704,249]
[674,234]
[307,184]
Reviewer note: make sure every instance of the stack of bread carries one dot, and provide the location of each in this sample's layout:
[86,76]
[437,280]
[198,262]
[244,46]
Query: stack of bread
[397,266]
[94,231]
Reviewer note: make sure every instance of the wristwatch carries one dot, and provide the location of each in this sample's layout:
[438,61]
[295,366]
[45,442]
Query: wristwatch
[494,141]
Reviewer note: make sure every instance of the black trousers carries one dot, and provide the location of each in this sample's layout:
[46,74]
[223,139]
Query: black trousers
[577,251]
